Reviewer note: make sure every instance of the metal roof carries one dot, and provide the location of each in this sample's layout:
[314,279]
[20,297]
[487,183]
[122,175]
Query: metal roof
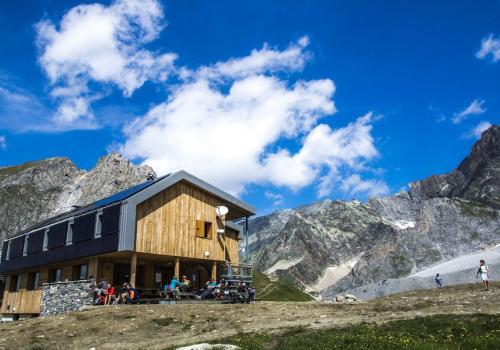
[114,198]
[139,193]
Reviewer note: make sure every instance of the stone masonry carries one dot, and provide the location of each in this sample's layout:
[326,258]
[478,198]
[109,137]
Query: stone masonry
[62,297]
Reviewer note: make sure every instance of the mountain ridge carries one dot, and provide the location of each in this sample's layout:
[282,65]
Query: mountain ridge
[36,190]
[346,244]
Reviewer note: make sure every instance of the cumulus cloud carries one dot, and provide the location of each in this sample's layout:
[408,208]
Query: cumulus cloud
[236,122]
[266,59]
[474,108]
[3,142]
[490,47]
[228,122]
[100,44]
[478,130]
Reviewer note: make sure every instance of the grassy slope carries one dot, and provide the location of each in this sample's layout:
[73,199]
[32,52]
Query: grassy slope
[276,290]
[429,333]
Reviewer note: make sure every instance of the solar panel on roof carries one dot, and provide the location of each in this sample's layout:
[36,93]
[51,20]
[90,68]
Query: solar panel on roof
[126,193]
[122,195]
[100,203]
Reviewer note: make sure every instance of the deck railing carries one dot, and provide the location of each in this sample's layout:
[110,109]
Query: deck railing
[237,272]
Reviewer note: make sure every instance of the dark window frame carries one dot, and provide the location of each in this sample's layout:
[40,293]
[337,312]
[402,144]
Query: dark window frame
[53,275]
[15,283]
[33,280]
[204,229]
[78,273]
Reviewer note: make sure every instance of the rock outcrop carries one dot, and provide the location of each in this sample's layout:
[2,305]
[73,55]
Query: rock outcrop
[34,191]
[335,246]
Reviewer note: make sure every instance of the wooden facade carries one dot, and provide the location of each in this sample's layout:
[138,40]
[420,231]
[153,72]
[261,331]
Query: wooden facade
[177,232]
[167,225]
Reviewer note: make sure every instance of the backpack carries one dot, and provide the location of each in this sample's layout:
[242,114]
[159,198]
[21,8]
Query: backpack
[133,294]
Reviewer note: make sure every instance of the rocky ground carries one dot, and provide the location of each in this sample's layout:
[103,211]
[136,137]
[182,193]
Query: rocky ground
[164,326]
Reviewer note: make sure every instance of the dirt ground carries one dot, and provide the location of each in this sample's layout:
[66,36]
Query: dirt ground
[163,326]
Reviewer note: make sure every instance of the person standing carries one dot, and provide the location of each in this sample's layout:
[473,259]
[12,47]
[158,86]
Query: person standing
[483,271]
[439,280]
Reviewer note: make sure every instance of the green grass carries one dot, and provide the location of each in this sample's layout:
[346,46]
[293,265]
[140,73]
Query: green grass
[277,290]
[10,170]
[424,333]
[477,210]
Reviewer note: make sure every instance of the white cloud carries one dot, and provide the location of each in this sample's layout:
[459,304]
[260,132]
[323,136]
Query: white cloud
[474,108]
[227,123]
[355,185]
[258,62]
[103,44]
[277,198]
[3,142]
[477,131]
[489,46]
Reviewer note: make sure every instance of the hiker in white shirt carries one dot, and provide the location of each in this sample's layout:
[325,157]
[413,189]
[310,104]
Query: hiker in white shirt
[483,271]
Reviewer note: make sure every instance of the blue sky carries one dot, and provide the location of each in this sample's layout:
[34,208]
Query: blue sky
[338,99]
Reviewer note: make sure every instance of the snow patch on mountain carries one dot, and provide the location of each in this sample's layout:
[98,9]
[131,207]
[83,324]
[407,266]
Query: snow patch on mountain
[404,224]
[282,265]
[331,275]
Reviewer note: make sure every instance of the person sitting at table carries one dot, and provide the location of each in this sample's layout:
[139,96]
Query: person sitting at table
[123,293]
[174,287]
[185,285]
[132,295]
[210,286]
[110,294]
[242,287]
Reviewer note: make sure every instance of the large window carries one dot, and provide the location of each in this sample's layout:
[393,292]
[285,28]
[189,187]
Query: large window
[203,229]
[55,275]
[15,283]
[33,280]
[80,272]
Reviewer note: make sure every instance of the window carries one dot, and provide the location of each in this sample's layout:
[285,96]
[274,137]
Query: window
[46,240]
[15,283]
[203,229]
[55,275]
[7,257]
[69,233]
[33,280]
[25,247]
[98,225]
[80,272]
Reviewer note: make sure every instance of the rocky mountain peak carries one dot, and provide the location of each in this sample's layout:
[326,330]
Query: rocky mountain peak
[334,246]
[483,151]
[477,178]
[36,190]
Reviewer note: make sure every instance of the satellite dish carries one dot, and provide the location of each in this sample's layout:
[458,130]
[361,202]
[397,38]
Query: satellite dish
[221,210]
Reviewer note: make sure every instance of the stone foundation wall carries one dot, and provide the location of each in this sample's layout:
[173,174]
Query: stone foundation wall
[62,297]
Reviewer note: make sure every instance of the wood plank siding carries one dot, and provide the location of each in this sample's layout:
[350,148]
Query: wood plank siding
[167,225]
[23,301]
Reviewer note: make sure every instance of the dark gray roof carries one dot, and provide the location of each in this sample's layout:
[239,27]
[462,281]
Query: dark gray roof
[104,202]
[141,192]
